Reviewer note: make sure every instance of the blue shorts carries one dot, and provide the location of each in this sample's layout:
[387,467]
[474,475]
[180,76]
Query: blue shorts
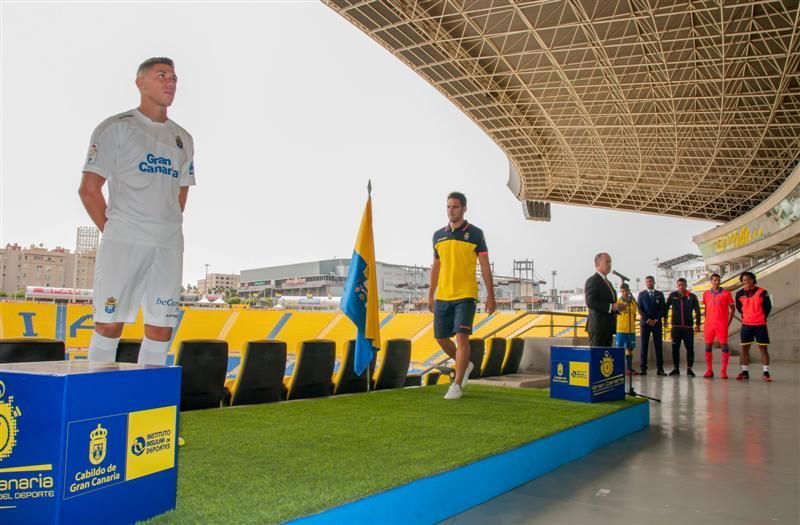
[626,340]
[453,317]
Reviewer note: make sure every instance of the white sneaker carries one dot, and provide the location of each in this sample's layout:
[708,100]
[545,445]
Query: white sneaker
[454,392]
[465,379]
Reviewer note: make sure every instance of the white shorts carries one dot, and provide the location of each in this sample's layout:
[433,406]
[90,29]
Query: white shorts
[128,275]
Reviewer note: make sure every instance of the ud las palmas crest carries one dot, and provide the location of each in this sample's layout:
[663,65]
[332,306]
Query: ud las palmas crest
[607,365]
[560,369]
[361,286]
[8,423]
[97,445]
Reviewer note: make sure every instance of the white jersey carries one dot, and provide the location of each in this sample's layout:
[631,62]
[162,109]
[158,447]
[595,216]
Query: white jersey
[145,163]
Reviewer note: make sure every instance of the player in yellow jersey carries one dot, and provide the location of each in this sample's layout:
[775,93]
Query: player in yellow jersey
[453,296]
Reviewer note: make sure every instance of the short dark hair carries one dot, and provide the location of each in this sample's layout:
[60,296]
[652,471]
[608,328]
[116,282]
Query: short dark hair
[598,257]
[150,62]
[750,274]
[458,195]
[681,280]
[624,286]
[715,275]
[649,277]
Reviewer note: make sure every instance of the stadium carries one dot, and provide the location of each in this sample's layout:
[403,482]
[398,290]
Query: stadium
[681,109]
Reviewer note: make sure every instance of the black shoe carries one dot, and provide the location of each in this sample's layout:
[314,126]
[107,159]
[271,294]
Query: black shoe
[661,372]
[767,378]
[689,372]
[675,372]
[744,375]
[643,372]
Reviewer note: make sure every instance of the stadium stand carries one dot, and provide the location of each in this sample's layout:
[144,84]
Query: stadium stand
[490,324]
[28,319]
[260,377]
[203,365]
[405,325]
[313,370]
[299,327]
[341,330]
[199,324]
[21,350]
[520,325]
[251,325]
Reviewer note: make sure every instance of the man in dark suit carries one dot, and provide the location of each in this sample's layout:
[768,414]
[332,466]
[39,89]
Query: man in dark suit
[651,310]
[601,300]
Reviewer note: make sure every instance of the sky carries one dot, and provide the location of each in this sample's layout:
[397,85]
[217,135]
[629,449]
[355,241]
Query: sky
[292,110]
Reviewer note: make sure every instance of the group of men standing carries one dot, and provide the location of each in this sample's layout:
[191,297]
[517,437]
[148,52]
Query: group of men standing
[610,315]
[148,161]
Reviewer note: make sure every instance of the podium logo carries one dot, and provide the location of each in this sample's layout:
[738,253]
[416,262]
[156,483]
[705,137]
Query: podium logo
[607,365]
[97,445]
[8,423]
[138,446]
[579,373]
[151,441]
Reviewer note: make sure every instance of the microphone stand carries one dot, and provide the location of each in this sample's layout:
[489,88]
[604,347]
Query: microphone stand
[629,385]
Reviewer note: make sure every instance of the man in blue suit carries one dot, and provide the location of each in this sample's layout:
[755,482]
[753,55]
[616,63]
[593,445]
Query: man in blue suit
[651,310]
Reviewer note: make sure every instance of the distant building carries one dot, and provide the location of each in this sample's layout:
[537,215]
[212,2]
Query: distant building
[400,287]
[218,283]
[40,266]
[325,278]
[689,266]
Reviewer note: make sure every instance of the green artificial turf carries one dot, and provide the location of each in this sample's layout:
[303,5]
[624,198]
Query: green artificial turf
[274,462]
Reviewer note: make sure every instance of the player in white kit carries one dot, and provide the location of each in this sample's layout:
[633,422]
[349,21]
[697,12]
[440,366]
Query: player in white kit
[148,162]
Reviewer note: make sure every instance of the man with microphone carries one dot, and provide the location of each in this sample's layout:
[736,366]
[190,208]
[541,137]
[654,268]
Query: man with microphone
[601,300]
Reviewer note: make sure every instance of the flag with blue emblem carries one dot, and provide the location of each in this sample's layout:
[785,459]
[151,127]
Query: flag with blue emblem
[360,295]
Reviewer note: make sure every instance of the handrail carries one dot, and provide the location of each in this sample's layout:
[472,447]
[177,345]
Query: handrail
[763,265]
[506,325]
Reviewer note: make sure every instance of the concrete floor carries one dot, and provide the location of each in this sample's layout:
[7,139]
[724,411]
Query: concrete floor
[717,452]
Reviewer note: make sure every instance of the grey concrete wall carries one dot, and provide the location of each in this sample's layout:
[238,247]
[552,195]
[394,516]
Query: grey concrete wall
[783,286]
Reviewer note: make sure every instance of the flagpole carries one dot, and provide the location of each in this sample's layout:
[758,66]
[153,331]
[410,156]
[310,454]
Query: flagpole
[369,378]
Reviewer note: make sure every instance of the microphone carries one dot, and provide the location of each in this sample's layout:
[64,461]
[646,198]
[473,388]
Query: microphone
[620,275]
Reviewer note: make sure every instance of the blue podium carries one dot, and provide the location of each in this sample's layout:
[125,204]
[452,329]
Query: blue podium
[588,374]
[85,443]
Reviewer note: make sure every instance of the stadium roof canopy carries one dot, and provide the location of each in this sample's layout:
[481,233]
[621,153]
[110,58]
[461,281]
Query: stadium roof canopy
[689,109]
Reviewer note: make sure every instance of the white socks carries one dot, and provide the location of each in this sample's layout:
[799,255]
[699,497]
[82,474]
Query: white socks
[103,349]
[153,352]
